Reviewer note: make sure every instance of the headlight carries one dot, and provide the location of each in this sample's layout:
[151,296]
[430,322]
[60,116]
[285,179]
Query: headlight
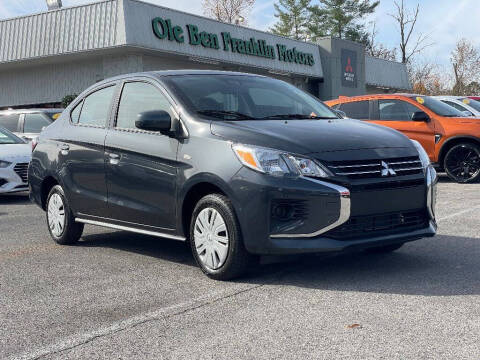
[4,164]
[278,163]
[422,154]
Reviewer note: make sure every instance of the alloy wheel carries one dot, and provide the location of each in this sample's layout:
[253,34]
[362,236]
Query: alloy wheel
[56,215]
[463,163]
[211,238]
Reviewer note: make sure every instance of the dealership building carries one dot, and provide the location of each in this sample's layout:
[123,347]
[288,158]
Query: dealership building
[46,56]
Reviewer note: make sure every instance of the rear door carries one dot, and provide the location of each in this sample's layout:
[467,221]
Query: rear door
[141,165]
[397,114]
[82,153]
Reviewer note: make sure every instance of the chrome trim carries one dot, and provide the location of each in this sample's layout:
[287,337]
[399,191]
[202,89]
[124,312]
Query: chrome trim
[360,172]
[350,166]
[432,179]
[131,229]
[343,215]
[403,162]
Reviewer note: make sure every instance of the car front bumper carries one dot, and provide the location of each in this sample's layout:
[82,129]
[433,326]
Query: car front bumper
[321,209]
[11,180]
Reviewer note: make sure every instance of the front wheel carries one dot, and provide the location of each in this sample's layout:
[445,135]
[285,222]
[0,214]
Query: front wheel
[462,163]
[216,239]
[60,220]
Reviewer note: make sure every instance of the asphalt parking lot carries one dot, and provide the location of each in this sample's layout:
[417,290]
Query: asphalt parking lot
[123,296]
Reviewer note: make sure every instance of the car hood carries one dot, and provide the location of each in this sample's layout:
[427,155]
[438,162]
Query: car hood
[311,136]
[15,151]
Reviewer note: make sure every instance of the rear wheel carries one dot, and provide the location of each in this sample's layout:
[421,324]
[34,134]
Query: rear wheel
[384,249]
[462,163]
[216,239]
[60,221]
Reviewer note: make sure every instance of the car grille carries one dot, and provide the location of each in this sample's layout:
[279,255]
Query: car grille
[377,168]
[361,227]
[22,170]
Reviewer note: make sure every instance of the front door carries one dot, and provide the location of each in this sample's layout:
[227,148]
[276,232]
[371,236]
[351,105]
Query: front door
[141,165]
[397,114]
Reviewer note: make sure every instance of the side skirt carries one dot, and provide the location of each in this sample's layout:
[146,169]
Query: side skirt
[131,229]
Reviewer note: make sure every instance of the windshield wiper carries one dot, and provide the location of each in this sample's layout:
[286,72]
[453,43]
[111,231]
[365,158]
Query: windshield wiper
[223,113]
[295,116]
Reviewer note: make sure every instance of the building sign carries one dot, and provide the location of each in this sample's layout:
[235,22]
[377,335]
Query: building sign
[349,68]
[191,34]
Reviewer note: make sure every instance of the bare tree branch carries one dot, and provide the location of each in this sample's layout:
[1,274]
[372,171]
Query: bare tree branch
[230,11]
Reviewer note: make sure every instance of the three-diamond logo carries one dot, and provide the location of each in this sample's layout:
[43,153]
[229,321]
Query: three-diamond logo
[386,170]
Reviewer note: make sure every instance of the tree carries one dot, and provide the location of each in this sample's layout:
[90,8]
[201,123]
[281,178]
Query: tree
[293,17]
[406,21]
[340,18]
[229,11]
[465,61]
[428,78]
[67,99]
[379,50]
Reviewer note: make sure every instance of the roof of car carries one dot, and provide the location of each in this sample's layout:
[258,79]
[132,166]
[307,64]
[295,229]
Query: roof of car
[29,111]
[162,73]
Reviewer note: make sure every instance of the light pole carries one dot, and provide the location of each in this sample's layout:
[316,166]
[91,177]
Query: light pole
[54,4]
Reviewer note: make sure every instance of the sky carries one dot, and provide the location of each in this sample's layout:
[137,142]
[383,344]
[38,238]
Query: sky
[446,21]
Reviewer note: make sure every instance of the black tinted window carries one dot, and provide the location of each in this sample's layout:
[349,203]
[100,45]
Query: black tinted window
[356,110]
[10,122]
[96,107]
[138,97]
[34,123]
[456,106]
[396,110]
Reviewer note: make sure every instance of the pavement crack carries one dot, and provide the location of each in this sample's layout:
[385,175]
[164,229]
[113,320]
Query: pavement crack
[161,314]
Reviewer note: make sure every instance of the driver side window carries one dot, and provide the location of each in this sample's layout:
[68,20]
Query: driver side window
[138,97]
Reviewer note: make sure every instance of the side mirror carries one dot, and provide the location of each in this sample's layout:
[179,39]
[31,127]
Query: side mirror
[341,114]
[156,120]
[420,116]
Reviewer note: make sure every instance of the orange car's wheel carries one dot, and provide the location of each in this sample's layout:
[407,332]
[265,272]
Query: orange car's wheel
[462,163]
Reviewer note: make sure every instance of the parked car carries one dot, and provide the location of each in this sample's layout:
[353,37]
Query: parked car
[28,123]
[238,165]
[467,106]
[451,140]
[15,154]
[474,97]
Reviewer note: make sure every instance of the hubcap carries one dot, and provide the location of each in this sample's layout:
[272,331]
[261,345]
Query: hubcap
[56,215]
[463,163]
[211,238]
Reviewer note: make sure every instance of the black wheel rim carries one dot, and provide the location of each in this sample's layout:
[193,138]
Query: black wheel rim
[463,163]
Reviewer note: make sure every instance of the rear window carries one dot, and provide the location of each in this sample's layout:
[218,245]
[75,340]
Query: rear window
[34,123]
[473,103]
[356,109]
[10,122]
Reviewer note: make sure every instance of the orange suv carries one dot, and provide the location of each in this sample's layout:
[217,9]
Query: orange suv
[451,140]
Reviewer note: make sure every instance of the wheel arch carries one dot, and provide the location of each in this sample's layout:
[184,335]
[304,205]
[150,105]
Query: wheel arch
[46,185]
[451,142]
[193,192]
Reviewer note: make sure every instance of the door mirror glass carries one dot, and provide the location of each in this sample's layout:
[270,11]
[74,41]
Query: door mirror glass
[155,120]
[420,116]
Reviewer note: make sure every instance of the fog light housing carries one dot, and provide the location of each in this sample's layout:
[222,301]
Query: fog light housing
[3,182]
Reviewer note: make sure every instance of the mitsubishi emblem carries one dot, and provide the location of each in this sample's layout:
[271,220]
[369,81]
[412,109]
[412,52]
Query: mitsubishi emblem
[386,170]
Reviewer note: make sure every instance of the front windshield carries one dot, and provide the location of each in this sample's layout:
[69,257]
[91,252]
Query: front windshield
[6,137]
[438,107]
[473,103]
[236,97]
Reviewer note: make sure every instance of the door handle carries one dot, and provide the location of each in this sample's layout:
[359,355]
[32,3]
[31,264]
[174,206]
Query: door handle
[114,158]
[64,149]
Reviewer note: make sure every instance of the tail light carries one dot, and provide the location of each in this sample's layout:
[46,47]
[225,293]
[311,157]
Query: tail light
[34,144]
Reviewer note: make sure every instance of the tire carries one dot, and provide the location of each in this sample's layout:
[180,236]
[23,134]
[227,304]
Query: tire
[218,248]
[384,249]
[63,229]
[462,163]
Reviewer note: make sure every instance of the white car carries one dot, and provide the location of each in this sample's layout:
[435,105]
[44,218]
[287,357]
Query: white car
[469,107]
[15,155]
